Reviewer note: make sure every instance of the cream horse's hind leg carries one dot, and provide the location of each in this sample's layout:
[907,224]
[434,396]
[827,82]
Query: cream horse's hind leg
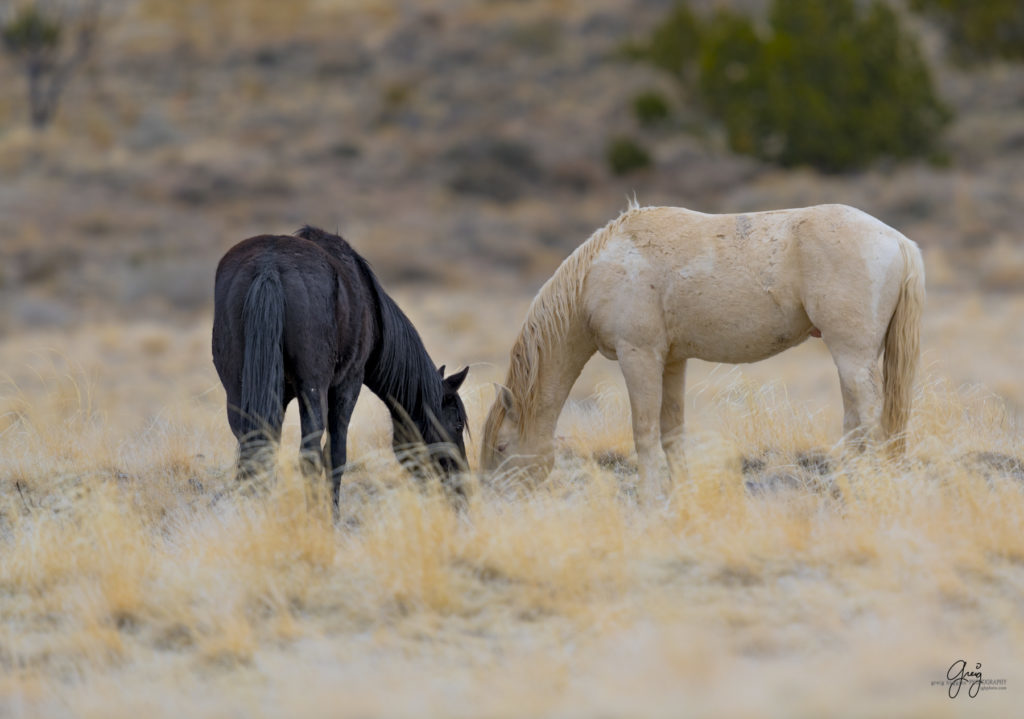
[642,369]
[860,384]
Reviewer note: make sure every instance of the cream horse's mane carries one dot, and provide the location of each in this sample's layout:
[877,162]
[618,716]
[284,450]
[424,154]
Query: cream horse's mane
[549,317]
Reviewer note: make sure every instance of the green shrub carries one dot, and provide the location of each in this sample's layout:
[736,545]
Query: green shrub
[979,30]
[831,84]
[30,30]
[625,155]
[674,44]
[650,107]
[735,83]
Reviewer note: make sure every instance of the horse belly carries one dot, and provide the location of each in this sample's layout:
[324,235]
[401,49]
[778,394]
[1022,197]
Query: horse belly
[738,333]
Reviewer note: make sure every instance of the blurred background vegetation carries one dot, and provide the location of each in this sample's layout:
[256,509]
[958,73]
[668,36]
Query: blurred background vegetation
[978,31]
[474,143]
[830,85]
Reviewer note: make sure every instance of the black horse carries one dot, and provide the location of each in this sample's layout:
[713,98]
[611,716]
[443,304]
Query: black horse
[304,317]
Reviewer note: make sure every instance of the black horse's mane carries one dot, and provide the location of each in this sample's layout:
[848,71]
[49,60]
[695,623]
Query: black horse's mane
[400,371]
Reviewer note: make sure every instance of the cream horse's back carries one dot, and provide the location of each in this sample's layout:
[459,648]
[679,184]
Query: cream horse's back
[661,285]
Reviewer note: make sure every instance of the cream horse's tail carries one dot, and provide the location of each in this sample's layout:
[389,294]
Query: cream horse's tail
[903,348]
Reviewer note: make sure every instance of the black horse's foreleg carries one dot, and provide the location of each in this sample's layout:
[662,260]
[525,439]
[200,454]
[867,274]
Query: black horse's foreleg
[342,401]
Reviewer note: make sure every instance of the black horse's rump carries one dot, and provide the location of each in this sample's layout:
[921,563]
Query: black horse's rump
[305,317]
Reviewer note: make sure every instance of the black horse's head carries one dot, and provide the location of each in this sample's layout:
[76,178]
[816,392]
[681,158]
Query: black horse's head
[452,424]
[437,432]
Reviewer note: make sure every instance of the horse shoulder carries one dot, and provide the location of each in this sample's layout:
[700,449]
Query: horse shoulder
[622,292]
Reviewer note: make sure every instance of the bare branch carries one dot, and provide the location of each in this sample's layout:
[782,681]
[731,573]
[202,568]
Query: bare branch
[50,40]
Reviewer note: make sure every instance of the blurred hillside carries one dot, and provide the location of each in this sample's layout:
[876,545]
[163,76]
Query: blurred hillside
[459,142]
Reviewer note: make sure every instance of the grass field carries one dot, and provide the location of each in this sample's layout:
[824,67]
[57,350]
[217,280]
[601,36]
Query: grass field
[783,578]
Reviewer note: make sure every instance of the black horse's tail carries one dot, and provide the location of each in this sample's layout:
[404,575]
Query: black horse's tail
[263,364]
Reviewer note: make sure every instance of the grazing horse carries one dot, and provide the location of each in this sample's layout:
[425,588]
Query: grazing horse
[305,317]
[659,285]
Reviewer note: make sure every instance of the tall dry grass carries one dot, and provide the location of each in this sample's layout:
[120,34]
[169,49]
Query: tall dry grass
[784,576]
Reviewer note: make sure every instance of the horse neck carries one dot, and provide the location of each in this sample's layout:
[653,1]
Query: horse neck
[558,368]
[401,372]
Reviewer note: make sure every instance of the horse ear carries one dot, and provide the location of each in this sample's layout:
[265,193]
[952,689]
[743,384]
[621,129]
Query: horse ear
[505,398]
[440,371]
[453,383]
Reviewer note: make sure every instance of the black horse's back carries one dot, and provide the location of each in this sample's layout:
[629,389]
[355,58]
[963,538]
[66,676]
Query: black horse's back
[304,317]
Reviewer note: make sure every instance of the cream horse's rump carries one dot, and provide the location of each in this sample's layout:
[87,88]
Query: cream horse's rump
[660,285]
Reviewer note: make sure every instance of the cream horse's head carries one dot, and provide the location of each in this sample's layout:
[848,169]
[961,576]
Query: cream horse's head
[510,444]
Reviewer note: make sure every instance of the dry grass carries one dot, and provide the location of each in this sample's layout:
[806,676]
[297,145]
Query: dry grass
[784,577]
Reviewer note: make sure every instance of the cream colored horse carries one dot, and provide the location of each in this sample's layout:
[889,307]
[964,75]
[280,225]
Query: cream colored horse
[659,285]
